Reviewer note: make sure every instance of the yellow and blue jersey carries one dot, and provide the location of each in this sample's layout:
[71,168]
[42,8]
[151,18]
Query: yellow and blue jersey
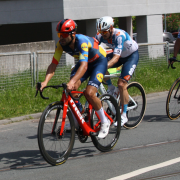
[86,49]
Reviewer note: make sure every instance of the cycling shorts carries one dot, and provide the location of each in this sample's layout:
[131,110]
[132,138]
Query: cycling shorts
[129,64]
[96,71]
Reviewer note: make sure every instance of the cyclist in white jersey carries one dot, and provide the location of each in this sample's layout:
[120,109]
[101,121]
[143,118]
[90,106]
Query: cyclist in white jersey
[125,51]
[176,48]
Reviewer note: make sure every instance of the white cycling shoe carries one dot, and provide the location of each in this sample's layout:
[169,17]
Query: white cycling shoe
[124,120]
[104,130]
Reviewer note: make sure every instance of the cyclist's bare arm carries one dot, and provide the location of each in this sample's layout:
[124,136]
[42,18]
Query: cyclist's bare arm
[113,61]
[49,74]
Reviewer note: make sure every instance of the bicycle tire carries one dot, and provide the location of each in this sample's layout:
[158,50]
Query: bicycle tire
[135,115]
[54,148]
[173,101]
[107,144]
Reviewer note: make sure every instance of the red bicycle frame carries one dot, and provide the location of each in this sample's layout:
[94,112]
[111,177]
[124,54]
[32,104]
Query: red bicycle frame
[86,126]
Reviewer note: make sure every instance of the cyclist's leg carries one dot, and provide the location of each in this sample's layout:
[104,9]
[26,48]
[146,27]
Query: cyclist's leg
[129,65]
[96,71]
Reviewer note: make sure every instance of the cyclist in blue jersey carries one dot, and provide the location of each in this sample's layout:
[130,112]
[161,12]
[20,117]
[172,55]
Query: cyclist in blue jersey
[125,52]
[92,63]
[176,48]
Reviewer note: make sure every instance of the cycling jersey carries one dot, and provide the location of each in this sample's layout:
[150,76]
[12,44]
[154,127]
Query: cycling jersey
[121,42]
[86,49]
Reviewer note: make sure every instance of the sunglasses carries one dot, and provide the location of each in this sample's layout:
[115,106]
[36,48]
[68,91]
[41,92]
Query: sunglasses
[64,35]
[103,32]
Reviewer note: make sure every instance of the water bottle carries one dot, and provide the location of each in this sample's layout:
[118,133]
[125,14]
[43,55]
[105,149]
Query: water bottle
[79,105]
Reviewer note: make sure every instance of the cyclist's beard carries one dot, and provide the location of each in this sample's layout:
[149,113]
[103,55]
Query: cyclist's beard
[106,37]
[65,41]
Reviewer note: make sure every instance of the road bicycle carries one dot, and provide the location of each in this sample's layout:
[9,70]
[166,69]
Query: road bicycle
[173,98]
[136,105]
[56,141]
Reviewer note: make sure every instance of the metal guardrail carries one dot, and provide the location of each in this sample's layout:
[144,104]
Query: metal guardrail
[26,68]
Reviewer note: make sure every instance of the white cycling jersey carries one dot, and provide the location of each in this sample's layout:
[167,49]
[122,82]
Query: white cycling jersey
[122,44]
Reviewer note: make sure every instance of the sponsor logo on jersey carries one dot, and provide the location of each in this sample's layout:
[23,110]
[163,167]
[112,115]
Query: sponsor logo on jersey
[99,77]
[93,59]
[118,34]
[127,78]
[84,47]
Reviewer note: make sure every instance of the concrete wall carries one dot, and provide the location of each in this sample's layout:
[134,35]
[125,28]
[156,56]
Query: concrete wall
[92,9]
[32,47]
[30,11]
[85,12]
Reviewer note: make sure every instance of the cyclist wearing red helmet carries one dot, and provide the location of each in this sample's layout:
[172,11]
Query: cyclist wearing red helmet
[92,63]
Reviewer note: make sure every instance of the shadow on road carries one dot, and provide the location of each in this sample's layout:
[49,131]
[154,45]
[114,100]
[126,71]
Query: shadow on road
[158,118]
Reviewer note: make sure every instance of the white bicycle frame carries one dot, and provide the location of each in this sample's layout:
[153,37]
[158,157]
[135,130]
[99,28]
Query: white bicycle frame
[103,91]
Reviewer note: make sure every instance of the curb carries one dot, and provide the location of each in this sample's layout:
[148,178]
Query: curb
[21,118]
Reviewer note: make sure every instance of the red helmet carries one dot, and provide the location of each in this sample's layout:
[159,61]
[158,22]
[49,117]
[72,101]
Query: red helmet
[66,26]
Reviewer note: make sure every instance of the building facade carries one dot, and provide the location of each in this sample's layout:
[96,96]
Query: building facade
[23,21]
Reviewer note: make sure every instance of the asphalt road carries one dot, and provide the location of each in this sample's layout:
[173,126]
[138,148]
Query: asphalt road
[150,151]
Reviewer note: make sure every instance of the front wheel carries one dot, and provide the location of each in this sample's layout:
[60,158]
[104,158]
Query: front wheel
[111,107]
[136,105]
[55,148]
[173,101]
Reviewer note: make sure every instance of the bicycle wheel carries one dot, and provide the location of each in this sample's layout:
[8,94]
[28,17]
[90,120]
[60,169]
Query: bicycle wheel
[54,148]
[136,105]
[111,107]
[173,101]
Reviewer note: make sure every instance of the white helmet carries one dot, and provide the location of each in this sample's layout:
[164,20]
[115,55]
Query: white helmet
[104,23]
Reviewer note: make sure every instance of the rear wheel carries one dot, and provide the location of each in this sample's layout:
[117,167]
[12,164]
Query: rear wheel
[136,105]
[173,101]
[55,148]
[111,107]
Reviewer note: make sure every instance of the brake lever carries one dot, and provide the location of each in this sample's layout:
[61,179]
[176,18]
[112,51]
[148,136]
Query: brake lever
[173,66]
[38,88]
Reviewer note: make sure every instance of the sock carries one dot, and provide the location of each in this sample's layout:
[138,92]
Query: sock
[102,116]
[124,110]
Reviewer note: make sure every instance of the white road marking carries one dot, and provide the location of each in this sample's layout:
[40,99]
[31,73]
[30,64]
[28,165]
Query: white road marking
[146,169]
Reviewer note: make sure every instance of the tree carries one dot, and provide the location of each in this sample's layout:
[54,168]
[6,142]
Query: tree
[172,22]
[116,22]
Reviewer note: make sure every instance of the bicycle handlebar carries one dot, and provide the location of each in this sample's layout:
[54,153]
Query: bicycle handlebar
[55,87]
[172,60]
